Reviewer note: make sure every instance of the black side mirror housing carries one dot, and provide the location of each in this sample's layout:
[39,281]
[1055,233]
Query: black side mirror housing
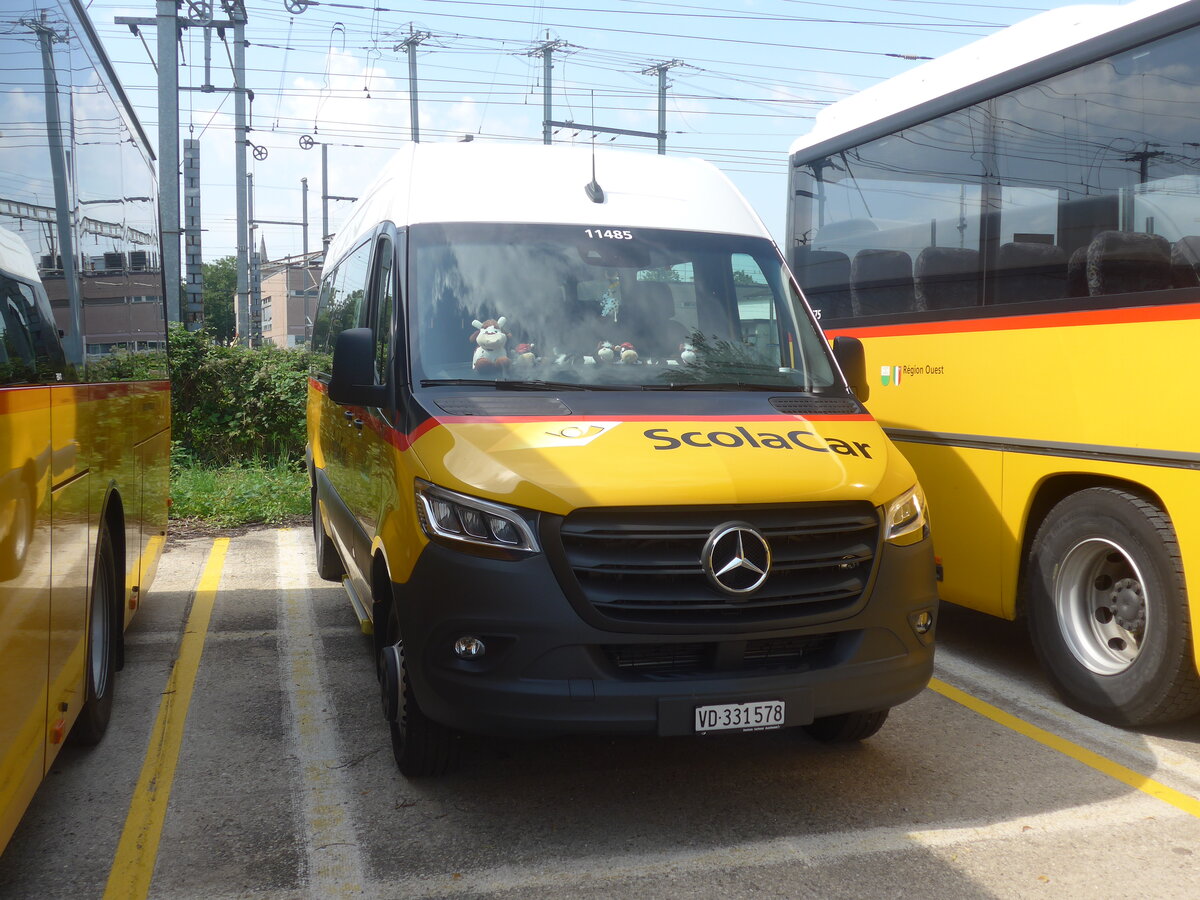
[353,379]
[848,351]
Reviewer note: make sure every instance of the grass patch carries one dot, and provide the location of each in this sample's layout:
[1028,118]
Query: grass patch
[258,493]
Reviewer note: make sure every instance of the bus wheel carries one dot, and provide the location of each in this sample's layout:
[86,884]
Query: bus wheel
[847,727]
[103,629]
[329,564]
[1108,611]
[420,745]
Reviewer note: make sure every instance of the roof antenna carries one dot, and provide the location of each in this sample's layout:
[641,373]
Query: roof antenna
[592,189]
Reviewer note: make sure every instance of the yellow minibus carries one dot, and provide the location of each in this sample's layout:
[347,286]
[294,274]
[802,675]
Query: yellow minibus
[588,466]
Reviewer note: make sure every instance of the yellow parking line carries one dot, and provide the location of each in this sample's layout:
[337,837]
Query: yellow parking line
[1178,799]
[133,866]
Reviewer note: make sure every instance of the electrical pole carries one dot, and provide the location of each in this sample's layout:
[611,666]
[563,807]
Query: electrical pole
[661,71]
[409,45]
[546,52]
[168,150]
[324,203]
[239,156]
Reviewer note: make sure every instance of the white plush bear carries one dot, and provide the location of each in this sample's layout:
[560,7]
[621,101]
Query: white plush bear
[489,339]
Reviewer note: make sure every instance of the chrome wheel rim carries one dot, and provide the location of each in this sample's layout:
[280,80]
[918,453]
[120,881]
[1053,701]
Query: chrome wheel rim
[1100,601]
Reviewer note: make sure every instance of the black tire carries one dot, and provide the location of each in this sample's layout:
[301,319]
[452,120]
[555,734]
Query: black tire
[421,746]
[329,564]
[847,727]
[103,632]
[1108,609]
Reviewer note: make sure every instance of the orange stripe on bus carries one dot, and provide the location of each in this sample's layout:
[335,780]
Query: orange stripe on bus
[1176,312]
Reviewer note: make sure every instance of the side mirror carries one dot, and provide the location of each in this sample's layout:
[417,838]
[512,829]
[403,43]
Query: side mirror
[353,379]
[848,351]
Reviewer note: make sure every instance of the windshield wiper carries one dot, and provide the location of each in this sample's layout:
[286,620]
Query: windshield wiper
[721,386]
[531,385]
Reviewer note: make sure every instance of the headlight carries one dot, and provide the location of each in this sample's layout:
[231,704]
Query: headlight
[905,517]
[448,516]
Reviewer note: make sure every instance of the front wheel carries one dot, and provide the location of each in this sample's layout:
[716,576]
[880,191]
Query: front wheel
[421,746]
[1108,610]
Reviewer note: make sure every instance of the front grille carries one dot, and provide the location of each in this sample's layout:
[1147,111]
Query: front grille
[701,660]
[645,565]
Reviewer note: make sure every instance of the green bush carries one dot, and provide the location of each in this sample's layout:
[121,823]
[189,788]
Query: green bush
[244,493]
[236,404]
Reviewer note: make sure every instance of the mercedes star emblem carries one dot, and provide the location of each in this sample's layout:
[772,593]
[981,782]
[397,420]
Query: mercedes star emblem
[736,558]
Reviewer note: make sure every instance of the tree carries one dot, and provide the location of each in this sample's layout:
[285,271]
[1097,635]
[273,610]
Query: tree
[220,288]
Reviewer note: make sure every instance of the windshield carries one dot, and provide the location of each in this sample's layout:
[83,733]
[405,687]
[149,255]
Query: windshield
[604,308]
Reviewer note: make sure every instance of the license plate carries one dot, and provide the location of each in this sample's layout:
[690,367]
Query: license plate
[758,716]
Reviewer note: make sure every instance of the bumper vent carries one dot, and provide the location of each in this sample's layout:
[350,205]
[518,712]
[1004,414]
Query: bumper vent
[643,565]
[702,660]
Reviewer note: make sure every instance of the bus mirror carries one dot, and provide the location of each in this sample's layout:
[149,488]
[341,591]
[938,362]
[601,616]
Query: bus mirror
[353,379]
[848,351]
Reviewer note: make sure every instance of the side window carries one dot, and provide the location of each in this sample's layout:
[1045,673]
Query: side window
[342,294]
[384,302]
[320,327]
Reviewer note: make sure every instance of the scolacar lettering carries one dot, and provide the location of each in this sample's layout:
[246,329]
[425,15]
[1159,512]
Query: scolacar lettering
[741,437]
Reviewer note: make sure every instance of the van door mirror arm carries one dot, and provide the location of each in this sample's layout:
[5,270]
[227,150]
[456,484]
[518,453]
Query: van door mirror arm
[352,381]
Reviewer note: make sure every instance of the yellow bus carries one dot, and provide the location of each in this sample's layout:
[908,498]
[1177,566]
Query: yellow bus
[1013,232]
[84,398]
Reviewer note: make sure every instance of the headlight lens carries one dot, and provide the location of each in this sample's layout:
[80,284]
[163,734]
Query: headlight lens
[905,517]
[451,516]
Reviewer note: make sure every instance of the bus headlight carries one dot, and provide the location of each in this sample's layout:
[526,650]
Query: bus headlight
[471,524]
[905,519]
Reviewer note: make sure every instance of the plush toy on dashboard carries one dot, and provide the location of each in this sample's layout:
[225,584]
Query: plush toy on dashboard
[687,353]
[605,352]
[524,355]
[489,339]
[628,354]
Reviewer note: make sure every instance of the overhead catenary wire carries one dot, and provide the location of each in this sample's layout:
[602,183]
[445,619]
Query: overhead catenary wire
[466,78]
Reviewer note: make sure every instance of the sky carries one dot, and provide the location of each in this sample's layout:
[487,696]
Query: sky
[746,79]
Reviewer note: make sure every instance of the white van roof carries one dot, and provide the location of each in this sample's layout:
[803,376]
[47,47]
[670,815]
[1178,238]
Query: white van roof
[478,181]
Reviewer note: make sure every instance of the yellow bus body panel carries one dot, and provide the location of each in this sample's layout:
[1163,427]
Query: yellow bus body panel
[75,447]
[1089,394]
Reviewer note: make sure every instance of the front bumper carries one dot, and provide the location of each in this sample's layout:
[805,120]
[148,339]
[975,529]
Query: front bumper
[548,671]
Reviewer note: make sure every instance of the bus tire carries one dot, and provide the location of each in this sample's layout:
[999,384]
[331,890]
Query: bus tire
[421,746]
[847,727]
[103,630]
[1108,609]
[329,564]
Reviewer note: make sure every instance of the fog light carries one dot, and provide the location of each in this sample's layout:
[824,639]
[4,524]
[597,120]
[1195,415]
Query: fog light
[469,648]
[922,622]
